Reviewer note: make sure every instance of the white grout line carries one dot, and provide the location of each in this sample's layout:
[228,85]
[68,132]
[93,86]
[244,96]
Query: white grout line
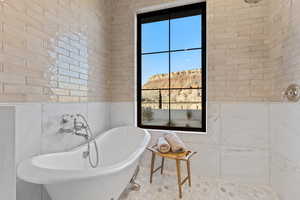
[220,138]
[269,142]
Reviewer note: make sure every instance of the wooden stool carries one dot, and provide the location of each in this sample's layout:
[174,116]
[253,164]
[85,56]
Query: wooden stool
[184,156]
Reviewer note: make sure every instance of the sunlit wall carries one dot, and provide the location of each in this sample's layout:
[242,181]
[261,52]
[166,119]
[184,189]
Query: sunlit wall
[54,51]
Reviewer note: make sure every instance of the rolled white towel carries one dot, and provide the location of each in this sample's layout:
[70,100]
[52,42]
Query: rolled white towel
[162,145]
[175,142]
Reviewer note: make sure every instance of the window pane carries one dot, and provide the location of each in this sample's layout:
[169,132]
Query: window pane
[186,69]
[185,95]
[155,36]
[155,69]
[186,32]
[186,110]
[155,107]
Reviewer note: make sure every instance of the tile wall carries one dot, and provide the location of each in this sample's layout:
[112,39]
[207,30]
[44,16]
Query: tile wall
[7,151]
[54,50]
[76,51]
[236,145]
[285,57]
[237,49]
[37,132]
[285,150]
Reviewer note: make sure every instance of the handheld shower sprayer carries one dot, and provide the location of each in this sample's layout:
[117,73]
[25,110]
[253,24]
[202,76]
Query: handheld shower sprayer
[80,127]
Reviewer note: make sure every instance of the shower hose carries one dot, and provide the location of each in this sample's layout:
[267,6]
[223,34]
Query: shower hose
[90,134]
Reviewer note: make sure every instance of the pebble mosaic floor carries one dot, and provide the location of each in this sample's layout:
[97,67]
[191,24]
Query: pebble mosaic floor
[165,188]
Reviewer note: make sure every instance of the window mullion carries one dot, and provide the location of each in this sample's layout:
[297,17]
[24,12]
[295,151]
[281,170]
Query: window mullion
[169,70]
[177,50]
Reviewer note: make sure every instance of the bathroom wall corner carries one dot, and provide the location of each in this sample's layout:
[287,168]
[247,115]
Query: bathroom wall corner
[7,153]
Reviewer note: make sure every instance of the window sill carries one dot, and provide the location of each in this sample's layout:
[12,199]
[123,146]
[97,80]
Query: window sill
[174,131]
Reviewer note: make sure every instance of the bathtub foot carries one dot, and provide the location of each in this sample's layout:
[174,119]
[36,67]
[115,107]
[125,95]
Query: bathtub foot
[136,172]
[135,186]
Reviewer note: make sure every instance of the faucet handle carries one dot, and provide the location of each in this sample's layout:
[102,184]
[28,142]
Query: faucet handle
[66,118]
[66,125]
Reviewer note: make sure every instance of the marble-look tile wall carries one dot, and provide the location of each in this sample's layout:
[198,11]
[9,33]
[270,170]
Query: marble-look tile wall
[7,153]
[28,135]
[285,150]
[52,140]
[236,145]
[36,131]
[38,125]
[54,50]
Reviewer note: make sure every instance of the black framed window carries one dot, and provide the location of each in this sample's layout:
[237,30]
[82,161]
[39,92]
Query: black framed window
[171,68]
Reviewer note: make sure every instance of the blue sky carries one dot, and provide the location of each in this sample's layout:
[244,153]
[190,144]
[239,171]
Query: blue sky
[185,33]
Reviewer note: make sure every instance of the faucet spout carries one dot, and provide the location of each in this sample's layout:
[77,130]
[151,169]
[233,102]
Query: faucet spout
[86,136]
[81,128]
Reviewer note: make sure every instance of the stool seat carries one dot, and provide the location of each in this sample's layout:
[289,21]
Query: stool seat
[181,156]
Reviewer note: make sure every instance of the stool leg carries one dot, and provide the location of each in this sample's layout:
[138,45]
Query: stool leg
[188,165]
[162,165]
[179,178]
[152,166]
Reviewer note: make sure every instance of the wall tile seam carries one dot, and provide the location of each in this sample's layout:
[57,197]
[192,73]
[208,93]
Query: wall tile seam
[269,143]
[220,138]
[287,163]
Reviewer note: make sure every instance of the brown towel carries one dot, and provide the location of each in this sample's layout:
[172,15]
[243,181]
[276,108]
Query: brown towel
[162,145]
[175,142]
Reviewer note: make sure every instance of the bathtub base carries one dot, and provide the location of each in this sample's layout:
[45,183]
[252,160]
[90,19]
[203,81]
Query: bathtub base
[108,187]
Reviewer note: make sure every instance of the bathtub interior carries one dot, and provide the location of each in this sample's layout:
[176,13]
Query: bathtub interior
[62,161]
[115,146]
[119,144]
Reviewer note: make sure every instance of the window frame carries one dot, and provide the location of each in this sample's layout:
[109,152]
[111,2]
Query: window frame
[200,9]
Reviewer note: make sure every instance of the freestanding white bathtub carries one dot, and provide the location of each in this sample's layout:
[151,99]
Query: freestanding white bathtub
[68,176]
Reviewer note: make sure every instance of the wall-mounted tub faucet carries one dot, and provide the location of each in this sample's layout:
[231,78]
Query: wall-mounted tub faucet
[80,127]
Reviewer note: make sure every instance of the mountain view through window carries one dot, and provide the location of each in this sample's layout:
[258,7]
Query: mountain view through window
[171,70]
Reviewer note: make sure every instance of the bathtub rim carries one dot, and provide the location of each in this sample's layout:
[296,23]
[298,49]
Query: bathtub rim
[32,173]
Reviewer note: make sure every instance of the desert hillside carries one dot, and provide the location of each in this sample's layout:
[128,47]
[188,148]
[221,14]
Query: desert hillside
[181,79]
[181,99]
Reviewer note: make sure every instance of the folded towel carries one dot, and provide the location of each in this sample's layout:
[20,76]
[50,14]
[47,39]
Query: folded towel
[162,145]
[175,142]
